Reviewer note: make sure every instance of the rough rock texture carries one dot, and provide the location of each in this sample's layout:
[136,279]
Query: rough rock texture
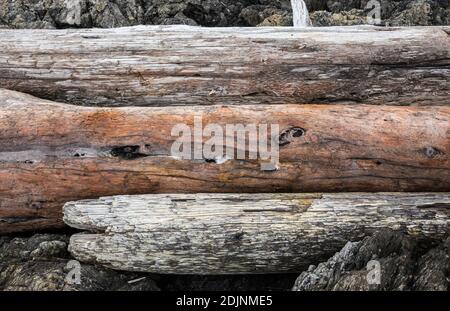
[255,282]
[344,18]
[115,13]
[212,13]
[406,264]
[393,13]
[41,263]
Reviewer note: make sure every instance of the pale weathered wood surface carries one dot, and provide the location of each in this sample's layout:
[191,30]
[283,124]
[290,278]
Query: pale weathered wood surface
[51,153]
[180,65]
[242,233]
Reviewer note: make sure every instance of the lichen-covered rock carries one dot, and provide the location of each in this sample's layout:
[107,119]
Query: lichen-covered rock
[395,13]
[276,20]
[420,12]
[42,263]
[405,264]
[350,18]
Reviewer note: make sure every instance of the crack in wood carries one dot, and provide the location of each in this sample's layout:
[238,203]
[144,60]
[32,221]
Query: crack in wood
[128,152]
[13,220]
[437,205]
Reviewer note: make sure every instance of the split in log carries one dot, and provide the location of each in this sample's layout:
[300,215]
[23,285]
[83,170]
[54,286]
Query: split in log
[181,65]
[242,233]
[52,153]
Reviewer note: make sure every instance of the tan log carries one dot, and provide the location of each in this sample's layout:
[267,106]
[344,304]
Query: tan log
[242,233]
[181,65]
[52,153]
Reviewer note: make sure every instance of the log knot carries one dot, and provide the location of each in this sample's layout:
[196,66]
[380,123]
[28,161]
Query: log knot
[290,134]
[432,152]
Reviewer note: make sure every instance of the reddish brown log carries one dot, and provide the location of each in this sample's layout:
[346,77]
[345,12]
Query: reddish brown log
[51,153]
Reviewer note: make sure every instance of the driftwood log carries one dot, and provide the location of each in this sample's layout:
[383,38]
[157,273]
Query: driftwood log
[241,233]
[181,65]
[52,153]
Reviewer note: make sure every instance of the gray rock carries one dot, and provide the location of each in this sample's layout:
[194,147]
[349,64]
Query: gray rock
[212,13]
[405,264]
[396,13]
[434,269]
[342,5]
[41,263]
[419,12]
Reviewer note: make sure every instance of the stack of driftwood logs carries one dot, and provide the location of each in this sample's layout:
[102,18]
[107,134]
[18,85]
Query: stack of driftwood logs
[370,108]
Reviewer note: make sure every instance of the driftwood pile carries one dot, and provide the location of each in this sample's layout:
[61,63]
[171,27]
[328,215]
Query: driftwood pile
[360,110]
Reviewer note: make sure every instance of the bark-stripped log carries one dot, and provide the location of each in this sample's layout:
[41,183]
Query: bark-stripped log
[179,65]
[52,153]
[241,233]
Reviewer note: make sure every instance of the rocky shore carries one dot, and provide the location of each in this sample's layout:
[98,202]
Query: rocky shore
[213,13]
[41,262]
[404,264]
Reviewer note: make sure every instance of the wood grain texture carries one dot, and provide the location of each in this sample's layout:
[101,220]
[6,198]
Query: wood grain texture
[182,65]
[242,233]
[52,153]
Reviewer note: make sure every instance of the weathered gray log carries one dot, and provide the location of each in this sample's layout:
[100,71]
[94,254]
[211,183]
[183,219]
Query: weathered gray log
[180,65]
[241,233]
[52,153]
